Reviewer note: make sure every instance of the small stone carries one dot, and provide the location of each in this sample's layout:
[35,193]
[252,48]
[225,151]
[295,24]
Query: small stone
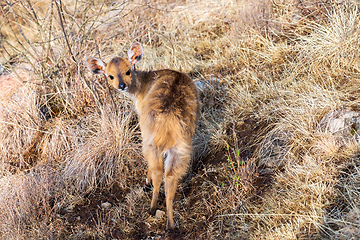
[105,205]
[159,214]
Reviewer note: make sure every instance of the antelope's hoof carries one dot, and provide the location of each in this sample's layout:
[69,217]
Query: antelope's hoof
[170,227]
[152,211]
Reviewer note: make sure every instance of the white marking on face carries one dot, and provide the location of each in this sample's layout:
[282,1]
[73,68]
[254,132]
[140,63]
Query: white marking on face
[123,90]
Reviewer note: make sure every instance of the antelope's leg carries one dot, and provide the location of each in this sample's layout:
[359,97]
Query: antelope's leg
[155,172]
[170,190]
[175,167]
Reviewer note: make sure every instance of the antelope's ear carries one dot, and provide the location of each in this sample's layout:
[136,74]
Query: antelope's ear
[95,65]
[135,53]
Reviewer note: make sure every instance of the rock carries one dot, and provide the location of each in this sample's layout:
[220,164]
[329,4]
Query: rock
[106,205]
[274,148]
[159,214]
[344,125]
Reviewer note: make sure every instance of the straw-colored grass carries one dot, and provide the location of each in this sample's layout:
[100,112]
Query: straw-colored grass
[272,77]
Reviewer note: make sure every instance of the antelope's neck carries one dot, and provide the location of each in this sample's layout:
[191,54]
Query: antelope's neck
[141,85]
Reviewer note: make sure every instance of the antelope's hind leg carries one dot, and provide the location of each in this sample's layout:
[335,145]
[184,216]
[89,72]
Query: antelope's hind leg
[175,167]
[155,173]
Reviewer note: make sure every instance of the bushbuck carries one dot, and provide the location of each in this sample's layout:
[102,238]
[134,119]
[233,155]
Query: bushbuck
[167,104]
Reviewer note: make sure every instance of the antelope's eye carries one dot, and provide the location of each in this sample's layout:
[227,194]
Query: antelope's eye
[128,72]
[111,77]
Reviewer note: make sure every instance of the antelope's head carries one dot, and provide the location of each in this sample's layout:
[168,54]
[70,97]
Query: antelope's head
[118,71]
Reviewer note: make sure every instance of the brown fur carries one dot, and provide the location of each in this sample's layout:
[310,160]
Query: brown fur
[168,106]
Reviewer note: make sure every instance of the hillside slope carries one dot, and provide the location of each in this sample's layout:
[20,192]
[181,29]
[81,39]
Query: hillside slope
[276,80]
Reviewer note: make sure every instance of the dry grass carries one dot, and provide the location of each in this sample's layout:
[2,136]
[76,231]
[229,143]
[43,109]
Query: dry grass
[265,165]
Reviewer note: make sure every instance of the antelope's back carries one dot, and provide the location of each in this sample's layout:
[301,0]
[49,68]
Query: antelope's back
[170,109]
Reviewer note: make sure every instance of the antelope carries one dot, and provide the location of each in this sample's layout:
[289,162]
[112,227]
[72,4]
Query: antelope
[167,104]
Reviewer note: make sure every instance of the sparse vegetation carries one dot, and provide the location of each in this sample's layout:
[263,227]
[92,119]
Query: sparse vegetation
[265,164]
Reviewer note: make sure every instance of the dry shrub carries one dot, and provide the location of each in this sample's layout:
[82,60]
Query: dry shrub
[287,98]
[329,51]
[9,83]
[20,120]
[297,200]
[109,153]
[347,220]
[209,136]
[27,204]
[253,16]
